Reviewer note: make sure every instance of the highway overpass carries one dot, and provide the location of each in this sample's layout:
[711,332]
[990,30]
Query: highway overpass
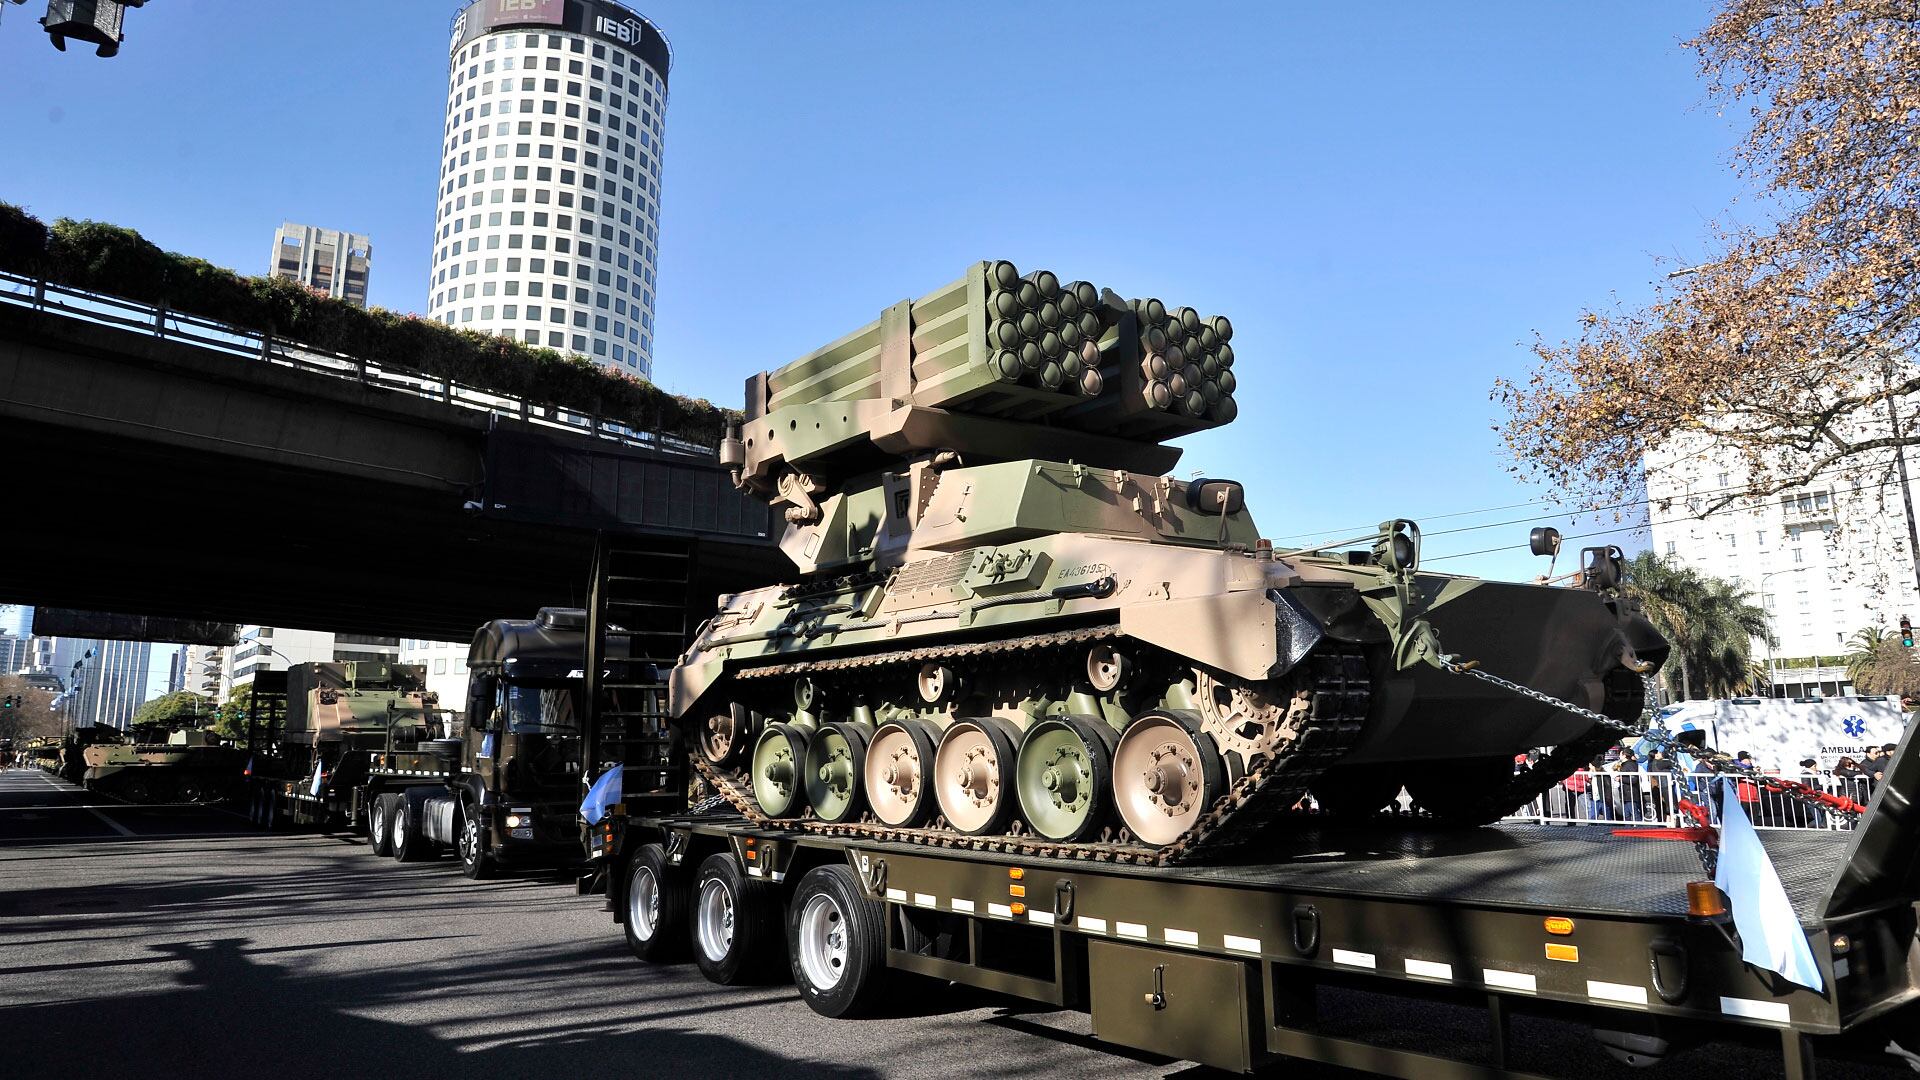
[166,465]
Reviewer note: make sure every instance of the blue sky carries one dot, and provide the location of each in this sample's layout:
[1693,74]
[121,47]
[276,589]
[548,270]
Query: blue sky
[1388,200]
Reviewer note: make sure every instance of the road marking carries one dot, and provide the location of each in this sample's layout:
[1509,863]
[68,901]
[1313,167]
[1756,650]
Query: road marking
[111,824]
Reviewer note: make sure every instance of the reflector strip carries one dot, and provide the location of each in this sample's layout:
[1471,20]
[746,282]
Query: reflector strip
[1242,944]
[897,894]
[754,871]
[1509,980]
[1183,937]
[1606,991]
[925,899]
[1001,910]
[1353,959]
[1091,924]
[962,905]
[1130,929]
[1044,918]
[1775,1012]
[1427,969]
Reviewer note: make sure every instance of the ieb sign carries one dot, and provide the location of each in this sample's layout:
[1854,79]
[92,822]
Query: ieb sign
[591,18]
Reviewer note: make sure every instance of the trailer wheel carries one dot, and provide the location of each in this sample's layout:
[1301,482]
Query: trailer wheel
[656,900]
[735,923]
[837,940]
[409,839]
[380,825]
[476,862]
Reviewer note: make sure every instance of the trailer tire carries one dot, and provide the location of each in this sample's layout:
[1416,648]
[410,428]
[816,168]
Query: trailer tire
[656,907]
[837,939]
[410,843]
[380,825]
[476,862]
[735,923]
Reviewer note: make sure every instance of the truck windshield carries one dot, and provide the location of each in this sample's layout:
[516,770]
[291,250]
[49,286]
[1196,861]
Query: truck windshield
[536,709]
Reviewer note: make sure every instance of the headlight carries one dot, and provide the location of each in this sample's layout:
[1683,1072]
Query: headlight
[514,821]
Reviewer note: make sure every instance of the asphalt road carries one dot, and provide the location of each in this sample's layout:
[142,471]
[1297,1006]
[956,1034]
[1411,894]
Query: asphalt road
[163,942]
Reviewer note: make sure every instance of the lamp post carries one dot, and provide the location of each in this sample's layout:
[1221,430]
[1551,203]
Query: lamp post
[1771,676]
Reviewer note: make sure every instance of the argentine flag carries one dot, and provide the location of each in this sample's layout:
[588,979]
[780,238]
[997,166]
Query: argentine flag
[604,793]
[1770,934]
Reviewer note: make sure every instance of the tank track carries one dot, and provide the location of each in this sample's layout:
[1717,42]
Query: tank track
[1332,697]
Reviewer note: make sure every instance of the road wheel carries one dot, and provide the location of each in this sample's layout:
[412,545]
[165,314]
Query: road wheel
[476,862]
[380,826]
[139,790]
[837,940]
[656,894]
[409,841]
[736,929]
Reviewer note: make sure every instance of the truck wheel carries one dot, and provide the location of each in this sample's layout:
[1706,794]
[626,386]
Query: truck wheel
[476,862]
[735,923]
[409,842]
[656,894]
[837,940]
[380,826]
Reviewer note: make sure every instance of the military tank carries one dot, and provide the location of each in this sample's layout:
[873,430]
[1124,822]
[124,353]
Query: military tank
[1012,629]
[161,765]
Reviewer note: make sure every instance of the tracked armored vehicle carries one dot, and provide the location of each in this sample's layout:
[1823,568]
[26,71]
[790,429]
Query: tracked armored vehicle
[1013,631]
[163,766]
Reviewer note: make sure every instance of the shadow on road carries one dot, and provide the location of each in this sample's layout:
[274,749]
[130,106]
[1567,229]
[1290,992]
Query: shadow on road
[230,1014]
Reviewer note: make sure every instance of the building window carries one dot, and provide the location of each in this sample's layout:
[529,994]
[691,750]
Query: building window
[1670,547]
[1798,557]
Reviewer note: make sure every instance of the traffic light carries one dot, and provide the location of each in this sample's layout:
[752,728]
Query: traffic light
[1906,631]
[11,701]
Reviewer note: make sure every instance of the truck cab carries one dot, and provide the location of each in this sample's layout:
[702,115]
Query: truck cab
[514,800]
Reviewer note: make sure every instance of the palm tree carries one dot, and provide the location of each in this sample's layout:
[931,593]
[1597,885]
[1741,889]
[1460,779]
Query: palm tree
[1710,622]
[1862,647]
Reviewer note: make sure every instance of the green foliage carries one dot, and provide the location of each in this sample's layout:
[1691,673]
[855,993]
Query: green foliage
[1862,649]
[182,708]
[231,717]
[1709,621]
[104,258]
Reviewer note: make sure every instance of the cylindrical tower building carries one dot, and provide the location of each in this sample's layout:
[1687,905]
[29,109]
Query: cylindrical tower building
[547,223]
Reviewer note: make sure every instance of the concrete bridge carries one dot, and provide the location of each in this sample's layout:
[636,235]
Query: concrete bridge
[162,464]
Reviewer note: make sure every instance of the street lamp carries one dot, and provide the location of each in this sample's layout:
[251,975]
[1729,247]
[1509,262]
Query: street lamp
[1771,676]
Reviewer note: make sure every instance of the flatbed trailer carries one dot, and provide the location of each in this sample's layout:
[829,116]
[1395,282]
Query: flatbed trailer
[1224,964]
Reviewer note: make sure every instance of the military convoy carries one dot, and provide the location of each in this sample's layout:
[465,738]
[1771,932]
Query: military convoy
[367,747]
[1036,716]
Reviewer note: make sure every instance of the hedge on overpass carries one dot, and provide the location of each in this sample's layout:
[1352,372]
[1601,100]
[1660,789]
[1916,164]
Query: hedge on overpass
[103,258]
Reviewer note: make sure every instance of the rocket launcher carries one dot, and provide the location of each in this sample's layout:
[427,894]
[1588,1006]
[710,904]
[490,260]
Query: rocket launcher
[997,366]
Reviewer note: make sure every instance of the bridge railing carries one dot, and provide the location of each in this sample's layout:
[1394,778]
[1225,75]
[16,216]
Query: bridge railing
[100,309]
